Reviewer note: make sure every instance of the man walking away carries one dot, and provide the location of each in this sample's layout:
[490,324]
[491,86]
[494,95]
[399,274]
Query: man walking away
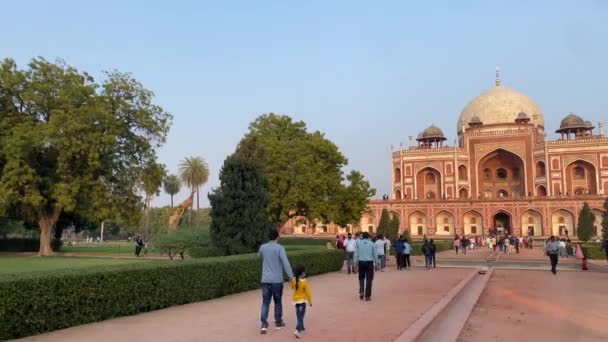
[433,250]
[365,257]
[407,250]
[464,242]
[428,254]
[456,244]
[380,252]
[552,248]
[399,247]
[274,262]
[350,245]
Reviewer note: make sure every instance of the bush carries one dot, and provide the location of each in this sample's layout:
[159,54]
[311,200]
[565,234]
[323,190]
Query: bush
[41,302]
[305,241]
[593,250]
[26,245]
[194,242]
[440,246]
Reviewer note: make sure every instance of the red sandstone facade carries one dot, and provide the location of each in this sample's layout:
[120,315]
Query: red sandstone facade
[503,175]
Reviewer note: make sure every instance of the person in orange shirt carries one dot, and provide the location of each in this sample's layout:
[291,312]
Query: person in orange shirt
[301,295]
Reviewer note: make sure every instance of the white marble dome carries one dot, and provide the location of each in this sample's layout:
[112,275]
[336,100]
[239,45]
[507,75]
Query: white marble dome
[500,105]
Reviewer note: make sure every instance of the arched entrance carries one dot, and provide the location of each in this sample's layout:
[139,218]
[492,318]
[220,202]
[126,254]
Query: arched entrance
[502,222]
[501,174]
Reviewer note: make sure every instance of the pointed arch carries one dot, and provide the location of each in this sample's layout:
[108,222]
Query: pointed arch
[472,222]
[463,192]
[418,222]
[444,223]
[429,183]
[541,191]
[532,223]
[581,177]
[562,220]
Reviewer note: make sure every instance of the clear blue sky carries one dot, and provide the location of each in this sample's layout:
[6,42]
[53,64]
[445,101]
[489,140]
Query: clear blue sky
[367,73]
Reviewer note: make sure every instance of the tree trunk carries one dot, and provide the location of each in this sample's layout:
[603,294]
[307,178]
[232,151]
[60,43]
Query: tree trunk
[197,199]
[147,212]
[46,223]
[171,201]
[180,210]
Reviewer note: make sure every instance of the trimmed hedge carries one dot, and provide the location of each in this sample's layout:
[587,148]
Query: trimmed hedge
[593,250]
[26,245]
[291,241]
[37,303]
[440,246]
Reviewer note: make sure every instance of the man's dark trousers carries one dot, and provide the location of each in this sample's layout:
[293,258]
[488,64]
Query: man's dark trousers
[366,276]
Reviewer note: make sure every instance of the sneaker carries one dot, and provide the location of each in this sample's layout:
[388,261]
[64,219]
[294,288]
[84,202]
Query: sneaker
[296,334]
[361,296]
[263,330]
[368,299]
[279,326]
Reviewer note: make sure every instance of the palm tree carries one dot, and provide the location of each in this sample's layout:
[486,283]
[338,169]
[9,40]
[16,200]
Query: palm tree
[172,185]
[194,173]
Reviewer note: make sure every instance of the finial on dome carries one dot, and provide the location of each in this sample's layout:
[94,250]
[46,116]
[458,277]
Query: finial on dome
[497,77]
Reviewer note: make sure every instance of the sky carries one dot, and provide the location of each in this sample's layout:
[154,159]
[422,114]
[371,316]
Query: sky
[366,73]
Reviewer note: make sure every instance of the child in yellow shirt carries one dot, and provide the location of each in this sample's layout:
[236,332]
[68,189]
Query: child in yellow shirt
[301,295]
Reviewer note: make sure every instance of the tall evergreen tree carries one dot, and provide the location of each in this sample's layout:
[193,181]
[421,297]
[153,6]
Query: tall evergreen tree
[586,219]
[393,233]
[239,220]
[605,220]
[384,226]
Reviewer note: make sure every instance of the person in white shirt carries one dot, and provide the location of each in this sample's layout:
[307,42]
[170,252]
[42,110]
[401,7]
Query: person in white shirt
[350,245]
[380,251]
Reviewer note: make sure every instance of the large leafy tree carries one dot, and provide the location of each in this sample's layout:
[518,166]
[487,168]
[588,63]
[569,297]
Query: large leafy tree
[303,170]
[239,221]
[68,144]
[152,179]
[352,199]
[172,186]
[605,220]
[194,173]
[384,226]
[586,220]
[393,232]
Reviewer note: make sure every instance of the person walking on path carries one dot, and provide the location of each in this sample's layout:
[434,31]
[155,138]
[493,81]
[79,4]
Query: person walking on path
[139,245]
[301,295]
[605,247]
[399,247]
[407,250]
[428,254]
[365,257]
[464,242]
[274,262]
[350,245]
[433,250]
[456,244]
[552,249]
[380,252]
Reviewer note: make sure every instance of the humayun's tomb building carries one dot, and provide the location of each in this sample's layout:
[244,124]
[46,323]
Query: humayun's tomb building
[503,175]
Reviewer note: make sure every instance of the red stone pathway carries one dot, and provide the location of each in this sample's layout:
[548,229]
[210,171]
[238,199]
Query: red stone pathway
[399,298]
[539,306]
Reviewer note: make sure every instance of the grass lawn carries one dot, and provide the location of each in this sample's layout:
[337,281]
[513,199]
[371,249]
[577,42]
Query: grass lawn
[27,264]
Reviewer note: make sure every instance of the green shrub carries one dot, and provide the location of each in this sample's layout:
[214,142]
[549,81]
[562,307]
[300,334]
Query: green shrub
[305,241]
[26,245]
[440,246]
[41,302]
[593,250]
[194,242]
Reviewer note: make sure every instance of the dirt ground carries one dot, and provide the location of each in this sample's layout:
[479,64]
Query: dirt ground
[520,305]
[399,298]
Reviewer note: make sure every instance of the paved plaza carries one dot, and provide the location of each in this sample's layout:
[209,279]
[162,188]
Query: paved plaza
[523,305]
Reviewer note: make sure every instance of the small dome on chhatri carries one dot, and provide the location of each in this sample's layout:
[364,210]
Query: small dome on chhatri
[475,119]
[589,124]
[572,121]
[522,115]
[432,132]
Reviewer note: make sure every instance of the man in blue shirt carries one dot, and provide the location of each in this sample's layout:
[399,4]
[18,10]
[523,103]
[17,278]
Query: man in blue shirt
[365,256]
[274,262]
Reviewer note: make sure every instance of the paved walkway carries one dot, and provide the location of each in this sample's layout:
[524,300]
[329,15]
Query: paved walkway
[399,298]
[539,306]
